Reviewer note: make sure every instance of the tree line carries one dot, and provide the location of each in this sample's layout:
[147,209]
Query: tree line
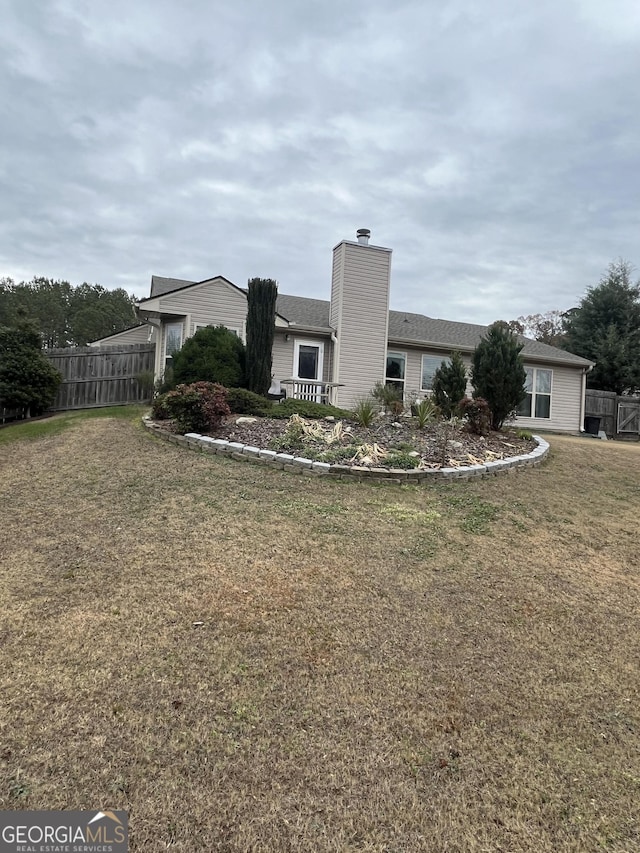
[604,327]
[63,314]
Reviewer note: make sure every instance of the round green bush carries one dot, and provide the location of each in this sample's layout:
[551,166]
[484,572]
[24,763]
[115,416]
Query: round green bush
[213,354]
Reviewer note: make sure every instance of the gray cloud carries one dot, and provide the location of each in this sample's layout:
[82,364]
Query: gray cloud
[492,147]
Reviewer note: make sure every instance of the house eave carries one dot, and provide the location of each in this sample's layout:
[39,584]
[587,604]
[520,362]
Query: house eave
[576,362]
[295,327]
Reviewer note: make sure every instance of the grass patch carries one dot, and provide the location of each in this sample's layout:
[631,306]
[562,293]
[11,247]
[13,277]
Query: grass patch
[54,425]
[247,659]
[475,514]
[403,514]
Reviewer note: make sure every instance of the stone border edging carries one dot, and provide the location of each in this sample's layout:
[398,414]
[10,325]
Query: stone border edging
[300,465]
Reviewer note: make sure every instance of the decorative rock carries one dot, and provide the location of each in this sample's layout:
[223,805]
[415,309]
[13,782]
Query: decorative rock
[414,453]
[246,420]
[455,445]
[301,460]
[251,451]
[396,425]
[268,454]
[329,418]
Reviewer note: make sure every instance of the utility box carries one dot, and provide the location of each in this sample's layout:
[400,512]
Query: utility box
[592,425]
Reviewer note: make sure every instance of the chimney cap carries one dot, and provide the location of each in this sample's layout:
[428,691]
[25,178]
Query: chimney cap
[363,235]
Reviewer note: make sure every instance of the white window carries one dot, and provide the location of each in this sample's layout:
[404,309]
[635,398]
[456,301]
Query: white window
[430,363]
[396,368]
[172,341]
[537,403]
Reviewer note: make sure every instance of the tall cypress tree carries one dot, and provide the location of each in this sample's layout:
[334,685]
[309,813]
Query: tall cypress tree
[261,318]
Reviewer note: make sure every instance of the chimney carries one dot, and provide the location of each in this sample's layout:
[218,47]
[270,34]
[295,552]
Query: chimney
[359,313]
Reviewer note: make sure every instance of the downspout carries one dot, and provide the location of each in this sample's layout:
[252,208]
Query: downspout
[334,391]
[583,396]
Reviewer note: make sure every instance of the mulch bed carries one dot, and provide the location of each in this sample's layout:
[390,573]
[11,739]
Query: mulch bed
[438,445]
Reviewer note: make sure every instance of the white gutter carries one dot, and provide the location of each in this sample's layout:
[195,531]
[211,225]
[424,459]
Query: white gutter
[583,397]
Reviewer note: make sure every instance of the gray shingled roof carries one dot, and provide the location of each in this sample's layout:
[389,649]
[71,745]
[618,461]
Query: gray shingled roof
[416,328]
[160,285]
[403,326]
[303,311]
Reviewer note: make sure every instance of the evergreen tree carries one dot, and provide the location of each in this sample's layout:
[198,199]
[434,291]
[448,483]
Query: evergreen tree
[261,315]
[27,379]
[605,328]
[450,384]
[66,315]
[211,355]
[498,374]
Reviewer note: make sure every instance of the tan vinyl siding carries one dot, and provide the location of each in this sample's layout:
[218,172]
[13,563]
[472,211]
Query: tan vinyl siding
[566,399]
[362,321]
[213,303]
[139,335]
[283,352]
[337,272]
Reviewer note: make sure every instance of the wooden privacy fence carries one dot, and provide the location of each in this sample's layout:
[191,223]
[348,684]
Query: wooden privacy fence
[618,415]
[103,376]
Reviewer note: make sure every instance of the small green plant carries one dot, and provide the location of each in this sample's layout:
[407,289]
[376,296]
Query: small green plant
[389,396]
[336,455]
[365,411]
[401,459]
[524,434]
[199,407]
[307,409]
[426,412]
[244,402]
[477,413]
[286,443]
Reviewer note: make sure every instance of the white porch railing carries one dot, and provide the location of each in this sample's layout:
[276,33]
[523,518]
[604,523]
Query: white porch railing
[310,389]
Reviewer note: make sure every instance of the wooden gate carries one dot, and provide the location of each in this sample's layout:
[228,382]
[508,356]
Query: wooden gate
[629,416]
[103,376]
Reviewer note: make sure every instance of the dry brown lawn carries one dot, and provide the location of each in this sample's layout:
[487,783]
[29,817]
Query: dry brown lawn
[249,660]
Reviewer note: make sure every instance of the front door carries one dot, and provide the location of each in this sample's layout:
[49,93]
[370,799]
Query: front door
[307,365]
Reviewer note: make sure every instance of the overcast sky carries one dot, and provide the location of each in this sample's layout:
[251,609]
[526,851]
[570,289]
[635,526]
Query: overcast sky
[494,146]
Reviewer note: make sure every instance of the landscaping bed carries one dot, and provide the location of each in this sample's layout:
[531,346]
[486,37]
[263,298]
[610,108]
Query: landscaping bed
[389,441]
